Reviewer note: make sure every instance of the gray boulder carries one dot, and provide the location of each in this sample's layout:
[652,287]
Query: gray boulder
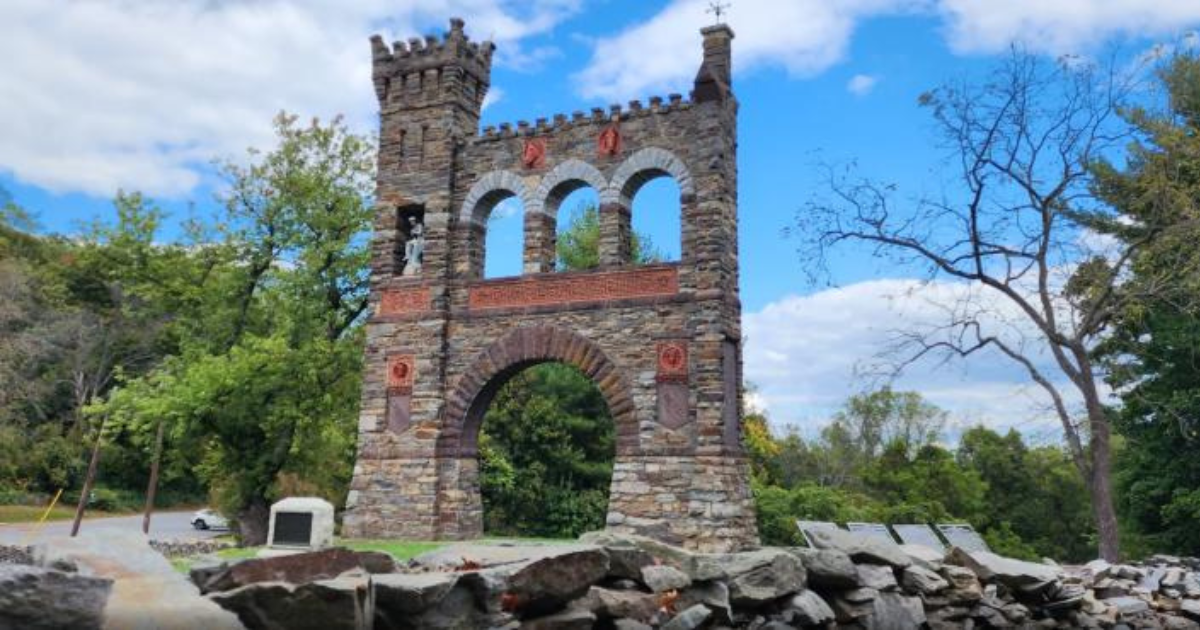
[714,595]
[827,568]
[806,608]
[919,580]
[399,595]
[893,611]
[36,598]
[877,576]
[1127,606]
[990,567]
[689,619]
[205,569]
[408,605]
[570,619]
[1098,568]
[1190,609]
[338,604]
[632,552]
[297,568]
[661,578]
[861,548]
[927,557]
[549,582]
[755,577]
[852,605]
[609,604]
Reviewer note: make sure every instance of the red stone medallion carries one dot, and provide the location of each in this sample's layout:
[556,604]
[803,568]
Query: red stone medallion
[401,370]
[672,361]
[608,143]
[533,155]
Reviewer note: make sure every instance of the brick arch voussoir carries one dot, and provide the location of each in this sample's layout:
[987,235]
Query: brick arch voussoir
[643,165]
[521,348]
[488,185]
[572,170]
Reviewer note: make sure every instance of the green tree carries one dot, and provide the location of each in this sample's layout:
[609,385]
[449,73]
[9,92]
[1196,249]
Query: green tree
[1027,144]
[264,384]
[547,447]
[1151,354]
[578,246]
[924,486]
[1024,484]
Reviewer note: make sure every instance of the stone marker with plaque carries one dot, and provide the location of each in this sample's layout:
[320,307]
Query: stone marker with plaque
[807,527]
[963,536]
[919,534]
[875,531]
[301,523]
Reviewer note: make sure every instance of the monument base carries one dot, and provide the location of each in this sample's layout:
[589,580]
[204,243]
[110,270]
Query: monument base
[701,503]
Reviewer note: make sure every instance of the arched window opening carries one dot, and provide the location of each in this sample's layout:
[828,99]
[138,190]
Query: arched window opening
[577,242]
[656,222]
[504,239]
[546,449]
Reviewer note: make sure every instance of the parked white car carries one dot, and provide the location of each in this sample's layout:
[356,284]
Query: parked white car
[208,519]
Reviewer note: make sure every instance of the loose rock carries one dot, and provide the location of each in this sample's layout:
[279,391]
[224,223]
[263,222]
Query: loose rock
[861,548]
[808,609]
[689,619]
[827,568]
[36,597]
[662,578]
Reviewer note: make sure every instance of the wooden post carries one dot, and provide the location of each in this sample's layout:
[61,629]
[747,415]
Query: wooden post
[152,488]
[89,480]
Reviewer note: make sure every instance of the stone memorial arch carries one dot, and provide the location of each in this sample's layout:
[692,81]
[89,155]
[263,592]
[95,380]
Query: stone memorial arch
[662,342]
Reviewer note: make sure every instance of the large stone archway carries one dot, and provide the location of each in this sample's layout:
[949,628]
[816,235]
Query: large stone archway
[460,508]
[662,342]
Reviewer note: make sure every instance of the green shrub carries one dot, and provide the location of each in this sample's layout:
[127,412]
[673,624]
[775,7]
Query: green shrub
[115,500]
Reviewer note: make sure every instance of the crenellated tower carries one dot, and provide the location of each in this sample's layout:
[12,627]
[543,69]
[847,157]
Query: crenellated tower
[430,93]
[661,342]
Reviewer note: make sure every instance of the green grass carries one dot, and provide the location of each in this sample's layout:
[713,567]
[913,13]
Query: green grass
[400,549]
[31,513]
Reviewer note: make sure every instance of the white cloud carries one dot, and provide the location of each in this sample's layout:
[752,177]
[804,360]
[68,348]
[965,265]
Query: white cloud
[1061,26]
[805,355]
[806,37]
[493,96]
[861,84]
[803,36]
[117,93]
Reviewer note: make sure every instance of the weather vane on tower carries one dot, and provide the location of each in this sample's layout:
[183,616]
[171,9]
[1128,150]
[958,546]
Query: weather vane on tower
[717,8]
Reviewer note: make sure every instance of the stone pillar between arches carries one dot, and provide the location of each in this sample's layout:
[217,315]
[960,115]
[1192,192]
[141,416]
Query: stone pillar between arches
[615,235]
[539,255]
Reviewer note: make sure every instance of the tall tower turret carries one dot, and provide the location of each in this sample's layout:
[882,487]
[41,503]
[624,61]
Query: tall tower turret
[430,95]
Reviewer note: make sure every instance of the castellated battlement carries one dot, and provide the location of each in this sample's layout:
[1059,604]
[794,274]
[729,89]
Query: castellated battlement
[656,105]
[421,70]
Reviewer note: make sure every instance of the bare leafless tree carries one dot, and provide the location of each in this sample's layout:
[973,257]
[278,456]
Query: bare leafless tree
[1010,232]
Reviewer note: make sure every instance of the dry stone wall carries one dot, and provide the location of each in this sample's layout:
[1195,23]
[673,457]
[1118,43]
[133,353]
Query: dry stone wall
[662,342]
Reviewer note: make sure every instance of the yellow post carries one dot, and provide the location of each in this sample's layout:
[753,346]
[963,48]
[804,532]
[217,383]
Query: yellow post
[51,507]
[37,527]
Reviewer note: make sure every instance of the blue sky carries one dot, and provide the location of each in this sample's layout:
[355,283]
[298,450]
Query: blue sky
[143,95]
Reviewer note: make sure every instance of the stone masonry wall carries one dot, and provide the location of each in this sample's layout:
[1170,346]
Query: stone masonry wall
[662,342]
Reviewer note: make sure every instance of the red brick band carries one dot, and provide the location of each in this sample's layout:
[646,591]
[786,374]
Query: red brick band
[594,287]
[402,301]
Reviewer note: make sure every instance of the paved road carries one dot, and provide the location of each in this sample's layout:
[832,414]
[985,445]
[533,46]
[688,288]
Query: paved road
[163,526]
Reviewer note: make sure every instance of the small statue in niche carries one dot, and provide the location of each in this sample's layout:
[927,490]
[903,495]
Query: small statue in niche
[414,247]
